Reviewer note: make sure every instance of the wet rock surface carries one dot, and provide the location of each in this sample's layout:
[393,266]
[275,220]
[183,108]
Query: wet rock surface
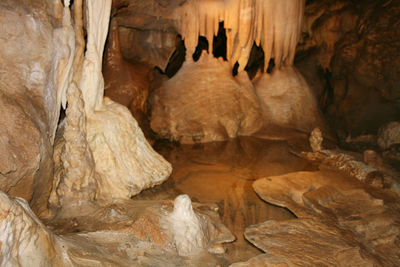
[223,173]
[340,221]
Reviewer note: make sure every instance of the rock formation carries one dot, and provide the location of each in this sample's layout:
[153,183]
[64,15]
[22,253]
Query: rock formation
[349,56]
[25,241]
[34,63]
[287,103]
[389,134]
[340,221]
[124,163]
[132,91]
[181,104]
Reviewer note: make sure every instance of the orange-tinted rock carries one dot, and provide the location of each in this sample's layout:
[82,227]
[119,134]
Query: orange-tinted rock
[203,102]
[124,82]
[340,222]
[29,106]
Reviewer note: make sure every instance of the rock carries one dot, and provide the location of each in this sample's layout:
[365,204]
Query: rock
[375,172]
[287,102]
[350,48]
[125,233]
[340,221]
[311,243]
[181,107]
[147,30]
[124,163]
[389,134]
[124,160]
[24,240]
[31,81]
[316,140]
[373,159]
[133,89]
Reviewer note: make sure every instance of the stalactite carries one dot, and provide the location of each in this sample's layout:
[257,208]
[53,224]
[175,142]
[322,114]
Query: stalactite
[92,82]
[272,24]
[105,155]
[79,41]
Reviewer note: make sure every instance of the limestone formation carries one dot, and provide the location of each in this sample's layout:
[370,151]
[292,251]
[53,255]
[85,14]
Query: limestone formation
[180,104]
[340,221]
[248,22]
[25,241]
[126,233]
[131,91]
[204,103]
[34,60]
[105,135]
[350,57]
[287,102]
[389,134]
[374,173]
[316,140]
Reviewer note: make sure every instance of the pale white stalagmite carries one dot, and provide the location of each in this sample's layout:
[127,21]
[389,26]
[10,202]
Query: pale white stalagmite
[105,154]
[188,228]
[124,161]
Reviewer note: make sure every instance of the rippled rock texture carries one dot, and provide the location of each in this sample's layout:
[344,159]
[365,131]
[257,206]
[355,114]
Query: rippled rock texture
[340,222]
[204,103]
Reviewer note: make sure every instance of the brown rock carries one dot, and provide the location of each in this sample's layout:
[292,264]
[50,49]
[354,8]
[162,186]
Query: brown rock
[341,222]
[203,102]
[28,97]
[350,56]
[124,82]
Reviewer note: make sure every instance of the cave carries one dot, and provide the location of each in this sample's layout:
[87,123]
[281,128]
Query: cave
[199,133]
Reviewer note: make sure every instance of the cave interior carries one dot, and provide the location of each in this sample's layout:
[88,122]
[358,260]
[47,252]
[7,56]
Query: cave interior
[200,133]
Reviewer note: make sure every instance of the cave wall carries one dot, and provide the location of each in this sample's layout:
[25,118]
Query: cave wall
[29,96]
[350,57]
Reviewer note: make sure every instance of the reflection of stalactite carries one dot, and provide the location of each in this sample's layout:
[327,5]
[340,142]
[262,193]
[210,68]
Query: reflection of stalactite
[272,24]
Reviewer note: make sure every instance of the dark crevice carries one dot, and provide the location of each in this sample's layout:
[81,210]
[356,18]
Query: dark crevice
[327,94]
[219,42]
[176,60]
[256,61]
[271,65]
[235,69]
[202,44]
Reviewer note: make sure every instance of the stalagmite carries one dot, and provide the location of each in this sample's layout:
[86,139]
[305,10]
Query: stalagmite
[102,134]
[204,103]
[191,231]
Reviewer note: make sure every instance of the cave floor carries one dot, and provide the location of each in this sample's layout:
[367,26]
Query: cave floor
[223,173]
[218,175]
